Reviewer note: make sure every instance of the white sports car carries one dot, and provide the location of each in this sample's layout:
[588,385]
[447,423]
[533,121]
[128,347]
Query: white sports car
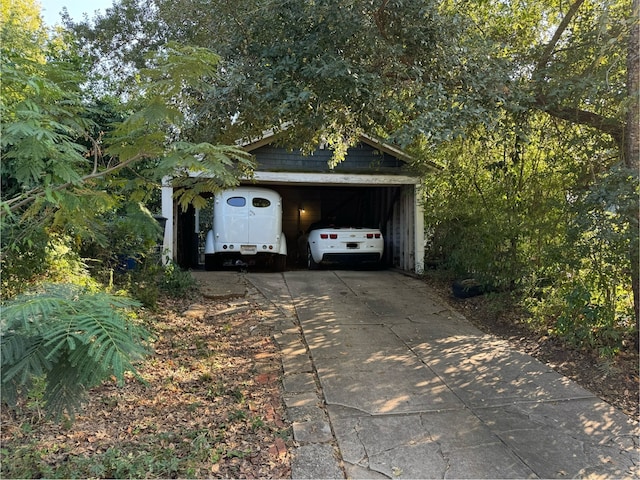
[351,245]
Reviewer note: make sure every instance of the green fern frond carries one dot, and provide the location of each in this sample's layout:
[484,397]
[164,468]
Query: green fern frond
[73,337]
[23,358]
[10,345]
[30,312]
[65,389]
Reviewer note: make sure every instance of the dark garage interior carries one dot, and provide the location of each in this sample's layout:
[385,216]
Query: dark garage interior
[347,205]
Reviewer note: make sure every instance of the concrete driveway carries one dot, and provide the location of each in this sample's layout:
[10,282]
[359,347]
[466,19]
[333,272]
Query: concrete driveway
[383,380]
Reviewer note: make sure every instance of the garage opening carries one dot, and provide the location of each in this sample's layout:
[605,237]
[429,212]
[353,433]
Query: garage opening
[391,208]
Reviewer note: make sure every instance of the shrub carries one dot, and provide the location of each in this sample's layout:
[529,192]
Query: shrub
[71,337]
[176,282]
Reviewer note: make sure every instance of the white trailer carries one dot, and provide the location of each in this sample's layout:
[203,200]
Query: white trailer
[247,229]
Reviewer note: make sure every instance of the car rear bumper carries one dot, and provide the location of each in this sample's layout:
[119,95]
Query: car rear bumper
[365,257]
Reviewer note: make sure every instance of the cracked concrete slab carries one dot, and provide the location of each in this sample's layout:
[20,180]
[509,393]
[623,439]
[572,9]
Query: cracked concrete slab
[413,390]
[333,314]
[484,371]
[593,436]
[315,461]
[297,363]
[299,382]
[426,328]
[306,399]
[384,391]
[426,446]
[312,432]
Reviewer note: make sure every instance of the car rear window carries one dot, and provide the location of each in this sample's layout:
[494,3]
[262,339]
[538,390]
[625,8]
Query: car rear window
[261,202]
[237,201]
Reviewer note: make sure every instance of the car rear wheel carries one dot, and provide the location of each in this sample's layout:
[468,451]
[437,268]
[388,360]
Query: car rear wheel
[311,263]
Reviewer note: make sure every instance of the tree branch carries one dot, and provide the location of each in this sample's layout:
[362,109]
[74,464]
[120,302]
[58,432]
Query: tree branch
[607,125]
[548,51]
[378,17]
[15,204]
[96,150]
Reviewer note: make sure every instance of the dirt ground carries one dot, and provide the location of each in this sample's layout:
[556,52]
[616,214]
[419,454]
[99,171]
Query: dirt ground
[208,403]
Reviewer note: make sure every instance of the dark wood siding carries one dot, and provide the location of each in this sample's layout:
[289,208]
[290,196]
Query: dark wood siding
[362,158]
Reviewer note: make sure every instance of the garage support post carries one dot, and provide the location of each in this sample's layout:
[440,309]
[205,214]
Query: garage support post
[418,222]
[168,212]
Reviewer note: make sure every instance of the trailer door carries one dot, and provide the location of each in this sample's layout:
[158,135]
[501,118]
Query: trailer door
[234,224]
[265,218]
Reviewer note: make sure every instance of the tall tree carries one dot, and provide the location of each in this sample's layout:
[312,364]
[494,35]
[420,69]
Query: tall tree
[631,148]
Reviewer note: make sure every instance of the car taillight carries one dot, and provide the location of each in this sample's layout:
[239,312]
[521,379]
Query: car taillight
[369,235]
[324,236]
[378,235]
[333,236]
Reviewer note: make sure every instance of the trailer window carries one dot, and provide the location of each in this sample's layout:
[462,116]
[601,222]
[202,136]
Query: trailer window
[261,202]
[237,201]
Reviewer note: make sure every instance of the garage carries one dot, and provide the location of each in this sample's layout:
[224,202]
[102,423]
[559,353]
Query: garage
[372,187]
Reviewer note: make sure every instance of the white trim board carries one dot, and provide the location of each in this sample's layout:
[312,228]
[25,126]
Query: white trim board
[295,178]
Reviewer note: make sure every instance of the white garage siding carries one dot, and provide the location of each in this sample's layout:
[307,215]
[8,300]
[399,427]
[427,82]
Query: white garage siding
[405,231]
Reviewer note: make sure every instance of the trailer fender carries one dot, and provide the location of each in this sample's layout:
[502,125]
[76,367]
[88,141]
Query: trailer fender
[282,250]
[208,245]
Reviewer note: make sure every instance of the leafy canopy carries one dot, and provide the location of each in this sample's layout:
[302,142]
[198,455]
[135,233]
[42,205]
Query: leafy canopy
[414,72]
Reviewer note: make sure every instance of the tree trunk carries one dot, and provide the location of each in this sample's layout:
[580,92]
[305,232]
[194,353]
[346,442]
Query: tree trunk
[631,148]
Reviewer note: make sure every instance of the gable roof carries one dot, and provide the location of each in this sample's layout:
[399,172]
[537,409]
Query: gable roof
[269,136]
